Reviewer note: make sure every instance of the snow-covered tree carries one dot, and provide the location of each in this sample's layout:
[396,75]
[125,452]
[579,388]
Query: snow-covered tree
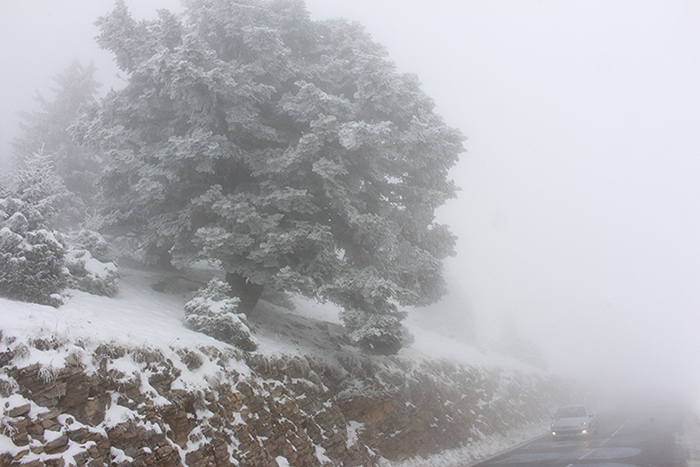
[32,266]
[41,190]
[92,268]
[214,312]
[32,259]
[37,262]
[290,152]
[47,130]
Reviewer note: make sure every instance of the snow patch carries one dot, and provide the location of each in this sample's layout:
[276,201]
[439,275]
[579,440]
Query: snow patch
[117,414]
[353,429]
[321,456]
[118,456]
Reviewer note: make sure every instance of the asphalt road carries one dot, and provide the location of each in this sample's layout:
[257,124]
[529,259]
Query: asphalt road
[639,436]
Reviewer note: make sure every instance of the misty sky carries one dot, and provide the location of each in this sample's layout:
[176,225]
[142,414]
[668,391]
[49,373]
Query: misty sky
[579,215]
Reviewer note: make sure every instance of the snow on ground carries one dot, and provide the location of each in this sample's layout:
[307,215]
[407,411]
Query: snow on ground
[427,343]
[137,316]
[142,316]
[434,345]
[477,451]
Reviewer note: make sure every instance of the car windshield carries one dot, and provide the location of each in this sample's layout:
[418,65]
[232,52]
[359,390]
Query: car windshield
[568,412]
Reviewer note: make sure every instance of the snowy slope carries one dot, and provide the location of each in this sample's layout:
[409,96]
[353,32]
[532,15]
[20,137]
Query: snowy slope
[138,315]
[141,316]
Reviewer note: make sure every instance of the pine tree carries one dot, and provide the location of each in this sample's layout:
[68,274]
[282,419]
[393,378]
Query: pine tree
[41,191]
[32,258]
[290,152]
[47,131]
[213,312]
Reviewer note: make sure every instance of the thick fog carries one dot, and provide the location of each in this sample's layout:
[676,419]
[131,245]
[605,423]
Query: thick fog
[579,215]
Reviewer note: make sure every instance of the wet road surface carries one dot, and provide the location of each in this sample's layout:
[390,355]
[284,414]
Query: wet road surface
[626,438]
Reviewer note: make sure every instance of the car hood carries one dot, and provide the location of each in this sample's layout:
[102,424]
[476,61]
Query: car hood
[571,421]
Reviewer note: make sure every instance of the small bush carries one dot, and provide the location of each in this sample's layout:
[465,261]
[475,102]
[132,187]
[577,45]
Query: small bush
[32,266]
[93,242]
[379,334]
[212,311]
[91,268]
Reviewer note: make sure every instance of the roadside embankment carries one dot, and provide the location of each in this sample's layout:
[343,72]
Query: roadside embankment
[89,403]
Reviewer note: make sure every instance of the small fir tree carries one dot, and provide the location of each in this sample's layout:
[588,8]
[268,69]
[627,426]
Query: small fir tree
[212,311]
[41,190]
[32,260]
[92,268]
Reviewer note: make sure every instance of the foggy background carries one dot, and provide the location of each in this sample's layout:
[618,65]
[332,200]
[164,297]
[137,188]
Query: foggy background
[579,215]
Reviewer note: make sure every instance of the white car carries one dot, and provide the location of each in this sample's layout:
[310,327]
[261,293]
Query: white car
[574,420]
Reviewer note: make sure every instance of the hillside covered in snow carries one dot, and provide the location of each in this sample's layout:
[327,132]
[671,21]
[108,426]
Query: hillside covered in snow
[121,380]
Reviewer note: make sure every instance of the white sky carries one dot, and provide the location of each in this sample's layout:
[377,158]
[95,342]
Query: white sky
[579,219]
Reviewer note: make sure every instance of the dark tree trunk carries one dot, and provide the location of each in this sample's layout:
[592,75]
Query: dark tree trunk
[248,292]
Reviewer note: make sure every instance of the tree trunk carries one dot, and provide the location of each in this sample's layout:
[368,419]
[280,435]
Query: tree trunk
[248,292]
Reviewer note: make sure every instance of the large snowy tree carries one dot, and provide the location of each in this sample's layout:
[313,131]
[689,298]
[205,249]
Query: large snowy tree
[290,152]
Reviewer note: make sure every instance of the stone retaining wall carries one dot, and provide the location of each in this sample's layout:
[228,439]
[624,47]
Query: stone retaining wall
[345,409]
